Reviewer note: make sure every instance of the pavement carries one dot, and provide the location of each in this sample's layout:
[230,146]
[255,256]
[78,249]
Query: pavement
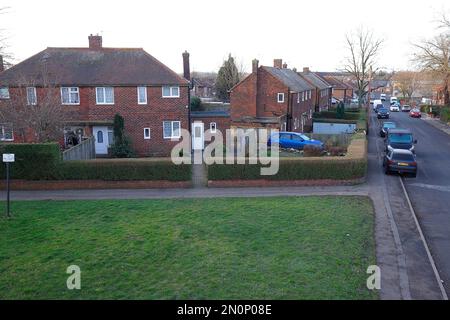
[406,270]
[436,123]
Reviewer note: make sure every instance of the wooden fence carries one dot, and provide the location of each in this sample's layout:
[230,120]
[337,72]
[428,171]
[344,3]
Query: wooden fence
[83,151]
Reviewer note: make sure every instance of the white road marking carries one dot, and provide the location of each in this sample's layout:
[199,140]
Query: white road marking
[430,257]
[430,186]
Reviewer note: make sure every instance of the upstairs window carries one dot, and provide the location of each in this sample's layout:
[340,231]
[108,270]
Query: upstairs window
[31,96]
[280,97]
[4,93]
[105,95]
[142,95]
[170,92]
[70,95]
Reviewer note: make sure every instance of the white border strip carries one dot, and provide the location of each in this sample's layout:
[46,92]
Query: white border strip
[430,257]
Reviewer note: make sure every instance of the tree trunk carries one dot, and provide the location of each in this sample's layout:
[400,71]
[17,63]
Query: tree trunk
[446,93]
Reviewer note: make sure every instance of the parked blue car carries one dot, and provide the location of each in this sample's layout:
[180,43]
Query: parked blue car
[293,140]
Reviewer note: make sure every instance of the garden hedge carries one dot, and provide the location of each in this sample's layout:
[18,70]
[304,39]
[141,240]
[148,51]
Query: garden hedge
[352,166]
[43,162]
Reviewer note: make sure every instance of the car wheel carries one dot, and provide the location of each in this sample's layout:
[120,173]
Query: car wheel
[414,175]
[387,171]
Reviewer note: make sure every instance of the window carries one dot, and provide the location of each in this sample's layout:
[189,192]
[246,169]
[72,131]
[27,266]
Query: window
[280,97]
[142,95]
[303,96]
[110,136]
[100,136]
[171,129]
[298,97]
[6,132]
[105,95]
[70,95]
[213,127]
[170,92]
[31,96]
[147,133]
[310,92]
[4,93]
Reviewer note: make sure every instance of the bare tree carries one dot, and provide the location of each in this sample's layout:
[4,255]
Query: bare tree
[433,55]
[361,61]
[7,56]
[407,82]
[35,110]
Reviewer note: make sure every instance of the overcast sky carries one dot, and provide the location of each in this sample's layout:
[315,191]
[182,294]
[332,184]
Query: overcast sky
[302,33]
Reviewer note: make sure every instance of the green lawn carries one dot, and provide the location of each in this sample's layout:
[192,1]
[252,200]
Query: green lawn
[243,248]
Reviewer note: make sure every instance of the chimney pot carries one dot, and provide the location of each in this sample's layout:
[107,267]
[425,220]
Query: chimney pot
[95,42]
[278,63]
[2,66]
[255,64]
[284,65]
[306,70]
[186,66]
[295,69]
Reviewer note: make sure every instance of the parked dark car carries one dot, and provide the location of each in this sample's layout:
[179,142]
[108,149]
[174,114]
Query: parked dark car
[383,113]
[415,113]
[385,128]
[377,107]
[401,161]
[400,139]
[293,140]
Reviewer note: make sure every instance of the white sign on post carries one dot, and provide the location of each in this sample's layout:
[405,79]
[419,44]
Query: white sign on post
[8,157]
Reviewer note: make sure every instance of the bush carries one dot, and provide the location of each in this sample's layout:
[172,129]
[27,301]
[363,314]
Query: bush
[33,160]
[334,115]
[122,144]
[445,114]
[122,170]
[312,151]
[196,104]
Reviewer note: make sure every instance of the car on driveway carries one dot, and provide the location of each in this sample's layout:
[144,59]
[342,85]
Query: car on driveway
[395,107]
[406,108]
[294,140]
[401,161]
[383,113]
[415,113]
[400,139]
[385,128]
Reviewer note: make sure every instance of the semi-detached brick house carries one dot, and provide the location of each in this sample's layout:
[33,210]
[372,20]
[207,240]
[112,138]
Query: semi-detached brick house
[95,83]
[272,97]
[322,89]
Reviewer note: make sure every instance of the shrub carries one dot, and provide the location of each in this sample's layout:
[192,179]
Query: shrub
[196,104]
[445,114]
[122,170]
[336,151]
[312,151]
[122,144]
[33,160]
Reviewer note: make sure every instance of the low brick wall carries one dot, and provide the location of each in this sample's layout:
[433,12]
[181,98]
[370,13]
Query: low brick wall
[282,183]
[93,184]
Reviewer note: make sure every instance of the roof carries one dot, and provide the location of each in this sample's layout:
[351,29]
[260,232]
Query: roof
[290,78]
[84,66]
[402,151]
[399,131]
[315,80]
[336,83]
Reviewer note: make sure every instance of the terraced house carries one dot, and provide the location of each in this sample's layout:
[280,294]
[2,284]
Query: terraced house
[93,84]
[272,97]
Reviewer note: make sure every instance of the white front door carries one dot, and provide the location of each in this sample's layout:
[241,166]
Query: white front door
[101,139]
[198,141]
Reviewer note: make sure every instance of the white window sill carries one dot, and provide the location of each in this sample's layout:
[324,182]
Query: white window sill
[170,97]
[70,104]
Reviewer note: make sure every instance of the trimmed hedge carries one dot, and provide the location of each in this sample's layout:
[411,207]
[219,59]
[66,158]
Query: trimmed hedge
[130,169]
[43,162]
[33,160]
[334,115]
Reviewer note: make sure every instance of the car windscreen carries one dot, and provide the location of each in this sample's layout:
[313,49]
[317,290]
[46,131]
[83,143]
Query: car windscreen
[401,137]
[403,157]
[383,110]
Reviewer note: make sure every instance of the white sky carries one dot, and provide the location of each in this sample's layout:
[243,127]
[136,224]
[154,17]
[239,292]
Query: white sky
[302,33]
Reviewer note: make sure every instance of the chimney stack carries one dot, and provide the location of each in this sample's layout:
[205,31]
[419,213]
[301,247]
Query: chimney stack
[95,42]
[255,64]
[278,63]
[2,67]
[295,69]
[306,70]
[285,65]
[186,66]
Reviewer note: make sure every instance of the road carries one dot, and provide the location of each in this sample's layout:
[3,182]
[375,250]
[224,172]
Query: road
[429,194]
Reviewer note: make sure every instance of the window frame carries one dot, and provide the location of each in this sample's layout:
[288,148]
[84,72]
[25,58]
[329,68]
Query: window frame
[172,136]
[104,95]
[213,130]
[35,96]
[171,95]
[145,95]
[8,96]
[278,97]
[70,92]
[2,132]
[149,136]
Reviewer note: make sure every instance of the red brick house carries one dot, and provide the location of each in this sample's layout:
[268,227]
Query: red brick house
[272,97]
[340,90]
[322,89]
[95,83]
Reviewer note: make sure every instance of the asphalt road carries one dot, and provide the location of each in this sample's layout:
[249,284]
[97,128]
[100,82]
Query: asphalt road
[430,191]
